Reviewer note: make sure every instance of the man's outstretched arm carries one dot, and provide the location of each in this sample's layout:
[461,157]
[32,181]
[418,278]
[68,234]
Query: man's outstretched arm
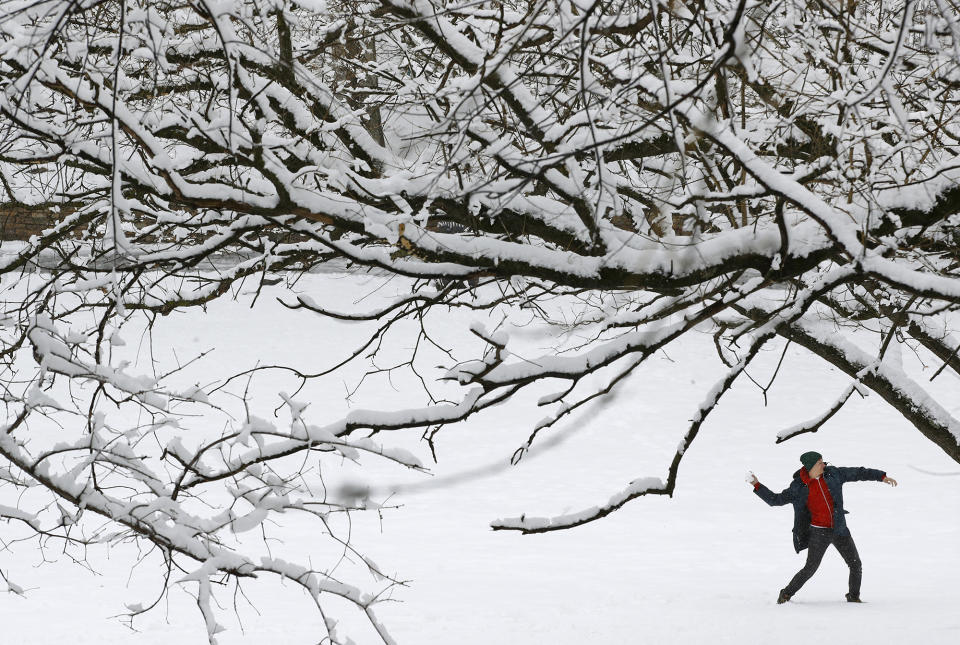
[773,499]
[861,474]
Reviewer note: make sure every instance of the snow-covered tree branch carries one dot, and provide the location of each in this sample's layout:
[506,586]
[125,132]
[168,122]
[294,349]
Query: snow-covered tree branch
[634,171]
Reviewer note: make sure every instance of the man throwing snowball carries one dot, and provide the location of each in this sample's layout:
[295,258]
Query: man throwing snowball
[816,493]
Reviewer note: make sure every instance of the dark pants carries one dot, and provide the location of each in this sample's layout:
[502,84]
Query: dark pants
[820,539]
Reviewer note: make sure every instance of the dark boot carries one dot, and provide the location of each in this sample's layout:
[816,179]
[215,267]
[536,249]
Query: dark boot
[785,597]
[852,598]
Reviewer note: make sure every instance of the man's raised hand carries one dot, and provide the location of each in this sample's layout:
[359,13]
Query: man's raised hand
[752,479]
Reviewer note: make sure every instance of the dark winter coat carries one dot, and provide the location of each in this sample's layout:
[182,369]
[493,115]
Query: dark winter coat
[796,494]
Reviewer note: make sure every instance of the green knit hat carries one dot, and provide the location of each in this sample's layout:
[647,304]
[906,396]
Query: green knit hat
[809,459]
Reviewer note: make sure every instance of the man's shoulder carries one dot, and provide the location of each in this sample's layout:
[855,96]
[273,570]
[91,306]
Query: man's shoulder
[796,484]
[836,470]
[841,474]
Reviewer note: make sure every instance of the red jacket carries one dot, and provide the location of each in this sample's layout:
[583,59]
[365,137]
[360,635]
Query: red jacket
[819,500]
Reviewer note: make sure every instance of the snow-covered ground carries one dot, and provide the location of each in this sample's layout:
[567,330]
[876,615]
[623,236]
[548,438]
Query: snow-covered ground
[702,567]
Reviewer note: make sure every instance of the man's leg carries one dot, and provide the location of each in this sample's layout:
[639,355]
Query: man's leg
[819,541]
[848,551]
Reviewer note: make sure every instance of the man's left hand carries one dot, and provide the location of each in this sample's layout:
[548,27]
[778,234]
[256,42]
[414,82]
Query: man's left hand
[889,480]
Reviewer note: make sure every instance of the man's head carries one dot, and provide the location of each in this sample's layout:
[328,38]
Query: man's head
[813,462]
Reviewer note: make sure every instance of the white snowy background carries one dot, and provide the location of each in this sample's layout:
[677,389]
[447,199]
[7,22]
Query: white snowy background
[702,567]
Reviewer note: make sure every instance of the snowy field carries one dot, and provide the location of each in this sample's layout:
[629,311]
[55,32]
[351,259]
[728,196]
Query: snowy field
[703,567]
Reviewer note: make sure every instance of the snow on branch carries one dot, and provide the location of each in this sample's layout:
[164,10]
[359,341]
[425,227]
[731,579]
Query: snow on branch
[637,488]
[816,423]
